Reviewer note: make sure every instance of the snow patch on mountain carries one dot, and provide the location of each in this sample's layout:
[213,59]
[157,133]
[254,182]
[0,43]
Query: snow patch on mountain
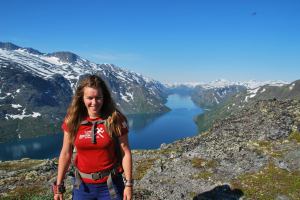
[23,115]
[52,60]
[7,95]
[251,93]
[46,65]
[292,86]
[263,90]
[216,100]
[130,95]
[16,105]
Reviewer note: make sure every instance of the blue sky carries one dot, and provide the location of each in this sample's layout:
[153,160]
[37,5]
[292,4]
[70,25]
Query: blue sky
[170,41]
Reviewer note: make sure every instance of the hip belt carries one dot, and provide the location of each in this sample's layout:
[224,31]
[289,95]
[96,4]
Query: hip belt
[99,175]
[96,176]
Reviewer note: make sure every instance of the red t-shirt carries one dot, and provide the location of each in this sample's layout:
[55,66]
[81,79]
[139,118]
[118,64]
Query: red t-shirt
[91,157]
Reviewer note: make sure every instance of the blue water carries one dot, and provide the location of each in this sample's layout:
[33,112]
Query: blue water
[147,131]
[166,128]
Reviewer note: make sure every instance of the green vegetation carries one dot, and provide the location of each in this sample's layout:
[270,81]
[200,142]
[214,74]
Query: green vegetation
[206,175]
[142,167]
[169,151]
[206,120]
[18,165]
[201,163]
[219,111]
[295,135]
[269,183]
[205,166]
[36,192]
[269,147]
[28,127]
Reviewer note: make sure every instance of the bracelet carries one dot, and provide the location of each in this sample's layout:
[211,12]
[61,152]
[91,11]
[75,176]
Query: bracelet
[58,189]
[128,183]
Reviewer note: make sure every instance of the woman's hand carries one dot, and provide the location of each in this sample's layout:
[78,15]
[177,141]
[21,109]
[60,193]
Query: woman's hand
[127,193]
[63,164]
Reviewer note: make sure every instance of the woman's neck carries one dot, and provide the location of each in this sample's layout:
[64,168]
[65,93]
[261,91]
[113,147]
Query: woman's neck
[94,117]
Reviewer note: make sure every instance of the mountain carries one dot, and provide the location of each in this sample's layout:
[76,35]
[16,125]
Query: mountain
[251,154]
[206,95]
[221,83]
[211,97]
[36,88]
[181,89]
[214,93]
[233,104]
[269,91]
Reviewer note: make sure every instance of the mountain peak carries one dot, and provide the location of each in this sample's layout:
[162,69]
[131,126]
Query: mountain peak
[33,51]
[65,56]
[8,46]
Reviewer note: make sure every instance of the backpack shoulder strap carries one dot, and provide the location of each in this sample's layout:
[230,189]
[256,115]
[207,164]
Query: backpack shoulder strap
[118,148]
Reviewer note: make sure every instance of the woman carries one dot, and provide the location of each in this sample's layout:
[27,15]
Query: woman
[98,131]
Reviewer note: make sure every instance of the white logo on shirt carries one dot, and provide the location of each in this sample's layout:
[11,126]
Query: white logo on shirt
[87,134]
[100,131]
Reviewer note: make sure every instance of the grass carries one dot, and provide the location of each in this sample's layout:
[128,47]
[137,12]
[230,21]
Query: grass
[269,183]
[200,163]
[269,148]
[295,135]
[18,165]
[32,192]
[205,166]
[169,151]
[206,175]
[264,147]
[142,167]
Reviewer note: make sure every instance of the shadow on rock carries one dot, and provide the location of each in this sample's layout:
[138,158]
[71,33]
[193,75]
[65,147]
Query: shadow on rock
[222,192]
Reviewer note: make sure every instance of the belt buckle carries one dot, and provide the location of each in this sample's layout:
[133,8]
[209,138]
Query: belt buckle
[96,176]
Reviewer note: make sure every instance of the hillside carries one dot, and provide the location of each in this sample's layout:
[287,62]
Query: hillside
[242,155]
[36,89]
[240,99]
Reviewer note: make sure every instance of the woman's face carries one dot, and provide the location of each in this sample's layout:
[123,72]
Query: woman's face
[93,101]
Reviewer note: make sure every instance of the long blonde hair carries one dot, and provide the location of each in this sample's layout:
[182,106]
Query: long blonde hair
[77,112]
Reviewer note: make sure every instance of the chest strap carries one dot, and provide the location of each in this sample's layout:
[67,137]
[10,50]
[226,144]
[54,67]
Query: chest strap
[93,129]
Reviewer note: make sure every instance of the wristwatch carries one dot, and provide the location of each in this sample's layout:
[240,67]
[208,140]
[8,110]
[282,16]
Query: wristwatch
[128,183]
[58,189]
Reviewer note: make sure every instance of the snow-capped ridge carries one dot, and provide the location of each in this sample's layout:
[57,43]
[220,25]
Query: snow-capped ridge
[221,83]
[252,84]
[65,56]
[10,46]
[71,67]
[186,84]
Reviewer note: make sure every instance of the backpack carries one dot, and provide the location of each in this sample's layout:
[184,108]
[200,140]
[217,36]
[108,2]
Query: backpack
[78,175]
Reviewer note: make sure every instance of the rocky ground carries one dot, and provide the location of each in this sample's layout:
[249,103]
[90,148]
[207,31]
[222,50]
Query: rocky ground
[252,154]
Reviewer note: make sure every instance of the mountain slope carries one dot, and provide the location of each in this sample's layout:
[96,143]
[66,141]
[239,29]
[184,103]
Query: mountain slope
[212,94]
[253,154]
[211,97]
[242,155]
[30,105]
[36,88]
[238,101]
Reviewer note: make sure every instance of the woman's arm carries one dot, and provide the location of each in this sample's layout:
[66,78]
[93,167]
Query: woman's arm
[127,164]
[64,161]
